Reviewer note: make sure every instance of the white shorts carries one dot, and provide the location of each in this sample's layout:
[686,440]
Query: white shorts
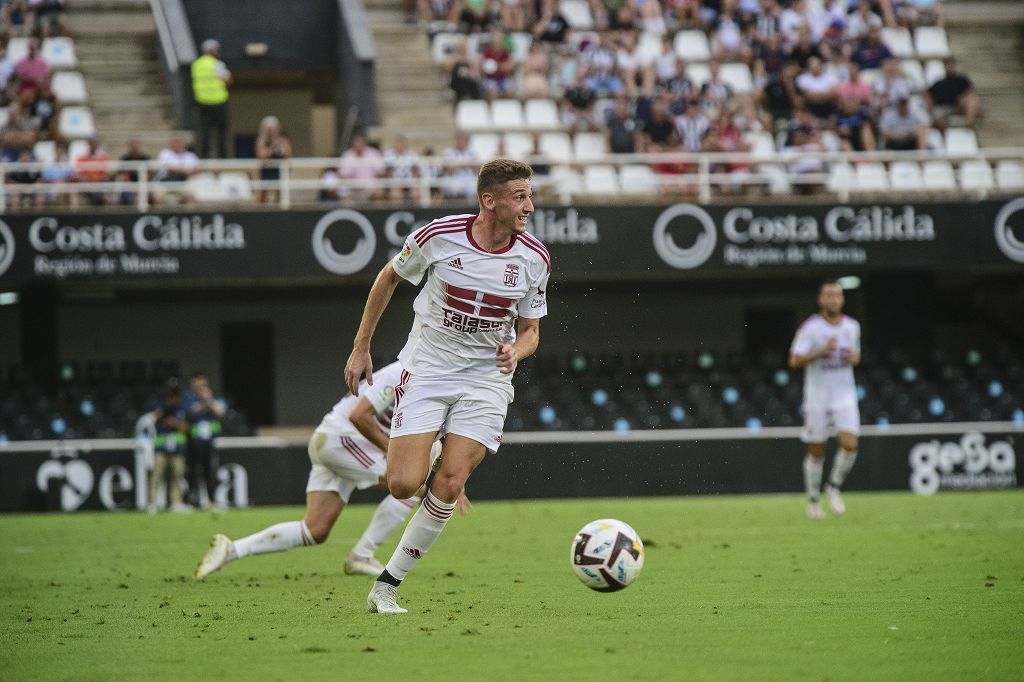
[844,417]
[475,411]
[342,464]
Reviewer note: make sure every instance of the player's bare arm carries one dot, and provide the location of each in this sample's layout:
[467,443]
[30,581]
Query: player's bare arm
[359,363]
[798,361]
[364,417]
[509,354]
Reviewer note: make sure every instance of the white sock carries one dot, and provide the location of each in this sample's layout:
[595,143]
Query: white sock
[812,477]
[841,466]
[390,514]
[275,539]
[424,527]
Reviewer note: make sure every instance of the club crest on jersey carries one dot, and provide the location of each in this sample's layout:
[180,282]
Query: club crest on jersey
[511,274]
[406,252]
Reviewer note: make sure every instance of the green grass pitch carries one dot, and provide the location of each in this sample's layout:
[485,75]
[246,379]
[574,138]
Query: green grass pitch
[902,587]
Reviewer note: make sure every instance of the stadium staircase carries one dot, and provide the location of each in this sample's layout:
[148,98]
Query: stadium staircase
[410,92]
[987,38]
[116,45]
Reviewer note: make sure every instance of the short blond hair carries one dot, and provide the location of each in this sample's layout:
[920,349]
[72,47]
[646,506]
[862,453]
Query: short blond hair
[496,173]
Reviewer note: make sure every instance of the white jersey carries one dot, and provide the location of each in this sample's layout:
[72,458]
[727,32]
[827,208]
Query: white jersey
[828,381]
[381,395]
[472,298]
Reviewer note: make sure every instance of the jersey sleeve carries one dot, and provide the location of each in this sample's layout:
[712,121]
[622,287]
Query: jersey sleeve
[802,342]
[412,262]
[856,337]
[382,397]
[535,303]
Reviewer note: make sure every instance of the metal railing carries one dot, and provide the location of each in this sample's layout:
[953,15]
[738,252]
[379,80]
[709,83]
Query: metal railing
[304,181]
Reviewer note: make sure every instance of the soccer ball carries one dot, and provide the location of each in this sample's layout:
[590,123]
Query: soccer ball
[606,555]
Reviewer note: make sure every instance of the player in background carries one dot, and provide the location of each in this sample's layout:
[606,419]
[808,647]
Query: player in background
[477,316]
[346,452]
[827,346]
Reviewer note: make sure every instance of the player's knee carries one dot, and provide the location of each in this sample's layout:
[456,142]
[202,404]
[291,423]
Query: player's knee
[402,487]
[319,530]
[447,486]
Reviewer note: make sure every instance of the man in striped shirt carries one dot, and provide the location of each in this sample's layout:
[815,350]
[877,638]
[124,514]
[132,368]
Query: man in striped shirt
[347,453]
[477,316]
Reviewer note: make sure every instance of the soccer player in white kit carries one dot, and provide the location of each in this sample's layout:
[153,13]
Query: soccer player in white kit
[827,346]
[346,452]
[477,316]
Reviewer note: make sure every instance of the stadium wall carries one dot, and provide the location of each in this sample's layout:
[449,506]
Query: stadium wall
[924,458]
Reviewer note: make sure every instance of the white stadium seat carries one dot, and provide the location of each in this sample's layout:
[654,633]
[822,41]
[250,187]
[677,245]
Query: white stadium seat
[961,141]
[692,45]
[17,49]
[934,71]
[762,144]
[577,14]
[637,178]
[518,145]
[938,175]
[871,177]
[236,186]
[69,86]
[484,145]
[76,123]
[1010,175]
[738,77]
[4,116]
[649,44]
[841,177]
[931,42]
[77,149]
[520,45]
[566,180]
[778,178]
[601,180]
[899,42]
[472,114]
[507,114]
[905,175]
[45,151]
[976,174]
[205,187]
[914,74]
[59,53]
[443,45]
[936,142]
[588,147]
[699,74]
[542,114]
[556,146]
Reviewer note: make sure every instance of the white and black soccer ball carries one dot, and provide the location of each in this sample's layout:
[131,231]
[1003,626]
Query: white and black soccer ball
[607,555]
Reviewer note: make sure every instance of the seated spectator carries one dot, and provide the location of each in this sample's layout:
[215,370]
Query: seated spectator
[497,67]
[804,49]
[24,176]
[689,14]
[272,146]
[914,13]
[92,167]
[45,111]
[678,85]
[621,134]
[953,94]
[330,191]
[903,129]
[32,69]
[633,63]
[474,16]
[578,104]
[833,45]
[725,136]
[769,83]
[792,21]
[716,95]
[18,134]
[601,66]
[853,125]
[657,126]
[818,89]
[612,14]
[534,79]
[691,126]
[7,79]
[728,41]
[890,87]
[650,15]
[176,163]
[364,163]
[402,164]
[551,26]
[463,73]
[57,172]
[46,17]
[431,11]
[871,52]
[460,168]
[804,135]
[514,14]
[853,86]
[861,21]
[133,157]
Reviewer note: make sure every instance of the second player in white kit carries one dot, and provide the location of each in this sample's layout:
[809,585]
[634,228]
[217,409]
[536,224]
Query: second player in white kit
[827,346]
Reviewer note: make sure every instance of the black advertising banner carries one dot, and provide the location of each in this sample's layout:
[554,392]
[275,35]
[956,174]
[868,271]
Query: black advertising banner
[617,240]
[932,459]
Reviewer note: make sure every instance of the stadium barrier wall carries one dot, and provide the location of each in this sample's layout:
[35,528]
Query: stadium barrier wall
[680,240]
[924,458]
